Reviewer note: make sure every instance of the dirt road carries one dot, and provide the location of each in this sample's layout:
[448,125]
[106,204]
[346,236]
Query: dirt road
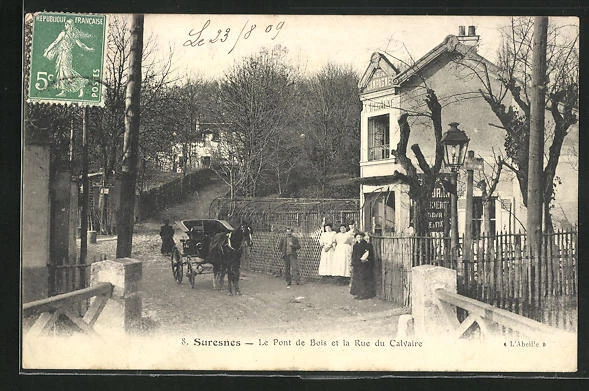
[266,303]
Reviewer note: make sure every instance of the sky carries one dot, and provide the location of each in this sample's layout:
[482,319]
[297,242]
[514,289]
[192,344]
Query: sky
[312,41]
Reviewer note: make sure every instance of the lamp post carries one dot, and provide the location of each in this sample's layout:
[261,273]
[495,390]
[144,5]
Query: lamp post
[455,144]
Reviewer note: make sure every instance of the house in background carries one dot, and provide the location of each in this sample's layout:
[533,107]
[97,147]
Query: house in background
[203,149]
[386,91]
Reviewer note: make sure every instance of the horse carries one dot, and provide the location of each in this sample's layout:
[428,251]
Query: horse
[225,256]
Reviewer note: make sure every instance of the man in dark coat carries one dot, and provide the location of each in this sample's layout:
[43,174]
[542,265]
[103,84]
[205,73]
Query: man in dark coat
[288,247]
[167,235]
[362,286]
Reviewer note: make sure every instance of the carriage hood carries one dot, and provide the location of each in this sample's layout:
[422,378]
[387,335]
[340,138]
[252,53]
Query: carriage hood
[209,225]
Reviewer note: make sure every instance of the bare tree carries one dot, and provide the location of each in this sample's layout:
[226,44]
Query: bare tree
[285,151]
[255,97]
[227,161]
[488,184]
[107,126]
[510,81]
[421,186]
[331,119]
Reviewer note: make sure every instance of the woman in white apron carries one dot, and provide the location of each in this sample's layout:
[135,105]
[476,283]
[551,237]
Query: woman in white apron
[326,264]
[342,256]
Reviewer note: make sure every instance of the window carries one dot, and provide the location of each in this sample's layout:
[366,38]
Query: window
[477,216]
[378,137]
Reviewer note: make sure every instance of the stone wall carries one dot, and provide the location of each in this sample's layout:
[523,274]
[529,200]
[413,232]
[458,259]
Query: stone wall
[35,217]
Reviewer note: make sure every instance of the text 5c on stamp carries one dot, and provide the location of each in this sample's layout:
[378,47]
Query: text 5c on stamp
[67,57]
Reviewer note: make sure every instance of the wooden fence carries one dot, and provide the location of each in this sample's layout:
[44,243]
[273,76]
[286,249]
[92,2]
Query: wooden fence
[393,262]
[73,305]
[493,321]
[69,275]
[500,272]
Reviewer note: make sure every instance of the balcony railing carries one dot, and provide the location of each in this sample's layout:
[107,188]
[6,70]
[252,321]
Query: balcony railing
[379,152]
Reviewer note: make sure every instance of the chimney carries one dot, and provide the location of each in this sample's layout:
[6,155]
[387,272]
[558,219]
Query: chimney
[472,39]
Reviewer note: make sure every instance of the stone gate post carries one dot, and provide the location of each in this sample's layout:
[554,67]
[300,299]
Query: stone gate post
[427,317]
[123,311]
[36,213]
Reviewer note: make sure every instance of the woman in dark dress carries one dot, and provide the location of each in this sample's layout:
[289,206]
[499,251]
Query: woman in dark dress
[362,286]
[167,235]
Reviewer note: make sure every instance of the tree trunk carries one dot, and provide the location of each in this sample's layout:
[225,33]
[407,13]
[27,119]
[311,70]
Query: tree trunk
[522,179]
[420,209]
[85,193]
[548,224]
[130,146]
[454,212]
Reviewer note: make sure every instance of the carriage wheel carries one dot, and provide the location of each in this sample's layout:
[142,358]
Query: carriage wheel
[199,268]
[190,273]
[176,260]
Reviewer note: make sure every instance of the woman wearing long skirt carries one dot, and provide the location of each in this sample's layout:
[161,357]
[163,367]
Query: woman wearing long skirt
[362,286]
[342,256]
[326,265]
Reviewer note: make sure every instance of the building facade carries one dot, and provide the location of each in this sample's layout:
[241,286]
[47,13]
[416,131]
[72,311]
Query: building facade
[198,152]
[450,69]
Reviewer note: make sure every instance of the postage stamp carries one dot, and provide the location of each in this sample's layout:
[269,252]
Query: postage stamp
[67,57]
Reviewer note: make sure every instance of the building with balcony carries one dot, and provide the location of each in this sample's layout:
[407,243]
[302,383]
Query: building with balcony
[450,69]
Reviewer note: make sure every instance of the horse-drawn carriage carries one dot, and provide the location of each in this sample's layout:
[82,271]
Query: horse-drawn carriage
[210,241]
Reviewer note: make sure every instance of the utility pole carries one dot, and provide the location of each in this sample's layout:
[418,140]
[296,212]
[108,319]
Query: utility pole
[467,251]
[454,212]
[71,141]
[85,193]
[536,149]
[126,215]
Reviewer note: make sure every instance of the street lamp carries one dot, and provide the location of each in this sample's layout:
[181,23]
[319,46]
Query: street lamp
[455,144]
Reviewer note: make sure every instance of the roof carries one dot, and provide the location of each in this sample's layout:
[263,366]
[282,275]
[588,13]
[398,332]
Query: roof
[378,60]
[450,44]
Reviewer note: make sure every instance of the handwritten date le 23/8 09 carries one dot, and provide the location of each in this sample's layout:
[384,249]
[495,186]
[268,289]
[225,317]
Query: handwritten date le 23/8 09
[205,35]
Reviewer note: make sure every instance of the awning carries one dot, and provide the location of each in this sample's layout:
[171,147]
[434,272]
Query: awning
[378,180]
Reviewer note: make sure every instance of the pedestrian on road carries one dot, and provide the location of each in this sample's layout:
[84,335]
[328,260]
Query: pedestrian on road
[288,247]
[167,235]
[362,286]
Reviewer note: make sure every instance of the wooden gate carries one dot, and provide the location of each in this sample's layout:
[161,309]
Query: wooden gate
[393,269]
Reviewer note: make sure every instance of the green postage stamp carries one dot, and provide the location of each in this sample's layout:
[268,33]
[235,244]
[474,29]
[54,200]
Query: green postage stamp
[67,57]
